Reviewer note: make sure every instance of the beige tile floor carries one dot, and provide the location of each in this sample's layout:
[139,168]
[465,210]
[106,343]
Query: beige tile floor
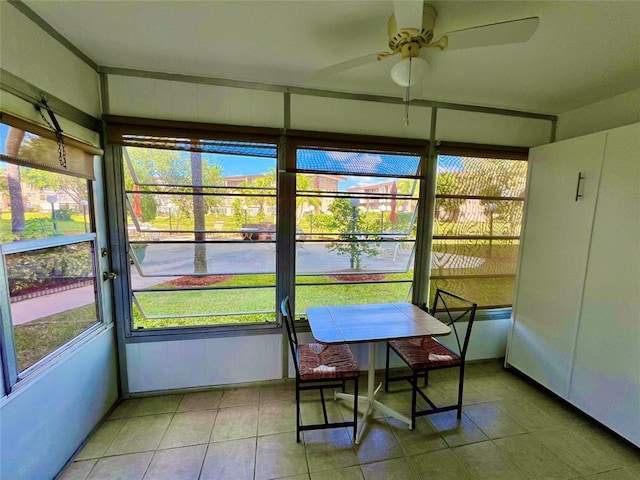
[510,430]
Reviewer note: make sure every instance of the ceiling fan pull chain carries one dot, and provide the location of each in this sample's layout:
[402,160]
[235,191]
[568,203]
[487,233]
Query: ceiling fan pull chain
[406,108]
[407,97]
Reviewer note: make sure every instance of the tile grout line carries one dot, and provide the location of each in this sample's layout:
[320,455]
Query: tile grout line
[569,427]
[204,459]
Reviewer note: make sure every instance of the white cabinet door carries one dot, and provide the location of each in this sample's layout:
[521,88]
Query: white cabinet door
[606,371]
[553,258]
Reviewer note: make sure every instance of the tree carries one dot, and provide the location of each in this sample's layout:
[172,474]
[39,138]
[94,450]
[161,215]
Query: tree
[39,148]
[447,184]
[152,165]
[74,187]
[167,167]
[303,184]
[162,167]
[349,222]
[12,147]
[200,253]
[499,178]
[149,208]
[268,180]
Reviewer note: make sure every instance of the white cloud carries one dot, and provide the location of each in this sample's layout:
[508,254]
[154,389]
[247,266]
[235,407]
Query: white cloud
[355,157]
[342,156]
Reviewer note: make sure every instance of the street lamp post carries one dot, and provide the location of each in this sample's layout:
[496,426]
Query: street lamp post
[84,204]
[354,202]
[170,207]
[382,208]
[245,208]
[491,208]
[53,199]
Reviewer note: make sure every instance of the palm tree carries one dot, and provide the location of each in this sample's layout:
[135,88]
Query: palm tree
[12,147]
[200,254]
[303,184]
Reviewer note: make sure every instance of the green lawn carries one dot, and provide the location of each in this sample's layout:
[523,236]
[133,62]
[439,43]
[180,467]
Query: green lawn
[484,291]
[70,227]
[36,339]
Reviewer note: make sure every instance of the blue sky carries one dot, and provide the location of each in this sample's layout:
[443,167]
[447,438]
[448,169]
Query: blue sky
[233,165]
[4,129]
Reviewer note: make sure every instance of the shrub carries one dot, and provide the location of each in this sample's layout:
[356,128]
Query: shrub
[33,270]
[63,214]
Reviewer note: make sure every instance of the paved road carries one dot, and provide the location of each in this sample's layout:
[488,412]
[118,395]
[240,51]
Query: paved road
[163,262]
[311,258]
[38,307]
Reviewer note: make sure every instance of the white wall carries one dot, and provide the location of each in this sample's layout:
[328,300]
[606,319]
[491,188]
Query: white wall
[368,118]
[167,365]
[472,127]
[613,112]
[24,109]
[31,54]
[44,422]
[166,99]
[357,117]
[169,100]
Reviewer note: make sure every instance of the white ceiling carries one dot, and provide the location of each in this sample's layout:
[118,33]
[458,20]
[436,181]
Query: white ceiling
[582,52]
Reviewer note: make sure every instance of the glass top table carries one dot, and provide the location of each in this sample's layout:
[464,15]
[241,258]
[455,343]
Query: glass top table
[372,323]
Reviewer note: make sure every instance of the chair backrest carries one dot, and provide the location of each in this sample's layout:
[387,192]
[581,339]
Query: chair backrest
[287,317]
[455,308]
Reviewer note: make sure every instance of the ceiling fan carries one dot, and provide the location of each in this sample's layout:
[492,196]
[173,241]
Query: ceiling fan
[410,30]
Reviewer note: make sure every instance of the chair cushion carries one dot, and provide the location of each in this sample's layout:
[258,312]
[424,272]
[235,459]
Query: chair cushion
[424,353]
[317,361]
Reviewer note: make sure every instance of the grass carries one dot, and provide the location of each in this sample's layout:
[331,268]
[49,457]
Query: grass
[74,226]
[484,291]
[36,339]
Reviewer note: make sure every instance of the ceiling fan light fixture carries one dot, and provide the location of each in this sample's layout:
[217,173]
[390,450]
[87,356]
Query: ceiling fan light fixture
[409,71]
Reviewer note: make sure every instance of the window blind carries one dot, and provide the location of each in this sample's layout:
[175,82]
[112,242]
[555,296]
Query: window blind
[31,145]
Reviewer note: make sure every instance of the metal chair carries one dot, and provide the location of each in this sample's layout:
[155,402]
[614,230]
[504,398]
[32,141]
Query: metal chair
[318,367]
[424,354]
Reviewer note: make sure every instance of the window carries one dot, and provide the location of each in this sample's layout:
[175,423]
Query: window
[211,212]
[201,227]
[355,225]
[48,248]
[476,233]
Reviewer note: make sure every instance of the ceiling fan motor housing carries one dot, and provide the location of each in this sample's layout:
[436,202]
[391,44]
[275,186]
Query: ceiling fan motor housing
[399,36]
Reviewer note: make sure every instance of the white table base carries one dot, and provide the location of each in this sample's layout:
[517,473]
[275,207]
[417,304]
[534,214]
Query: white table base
[370,400]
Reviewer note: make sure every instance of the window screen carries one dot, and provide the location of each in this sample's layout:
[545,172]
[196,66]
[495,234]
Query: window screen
[476,235]
[355,226]
[201,225]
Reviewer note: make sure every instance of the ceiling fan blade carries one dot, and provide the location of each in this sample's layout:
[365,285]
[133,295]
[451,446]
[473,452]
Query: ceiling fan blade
[343,66]
[514,31]
[408,14]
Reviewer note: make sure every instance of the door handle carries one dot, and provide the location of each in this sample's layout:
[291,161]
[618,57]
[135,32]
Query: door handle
[580,178]
[109,276]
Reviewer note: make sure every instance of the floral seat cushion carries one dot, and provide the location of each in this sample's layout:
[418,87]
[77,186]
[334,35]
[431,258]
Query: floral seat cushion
[317,361]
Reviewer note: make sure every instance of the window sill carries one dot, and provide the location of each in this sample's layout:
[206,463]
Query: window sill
[193,333]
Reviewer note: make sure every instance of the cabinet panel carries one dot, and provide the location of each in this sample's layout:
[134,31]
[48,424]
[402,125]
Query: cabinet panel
[553,259]
[606,370]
